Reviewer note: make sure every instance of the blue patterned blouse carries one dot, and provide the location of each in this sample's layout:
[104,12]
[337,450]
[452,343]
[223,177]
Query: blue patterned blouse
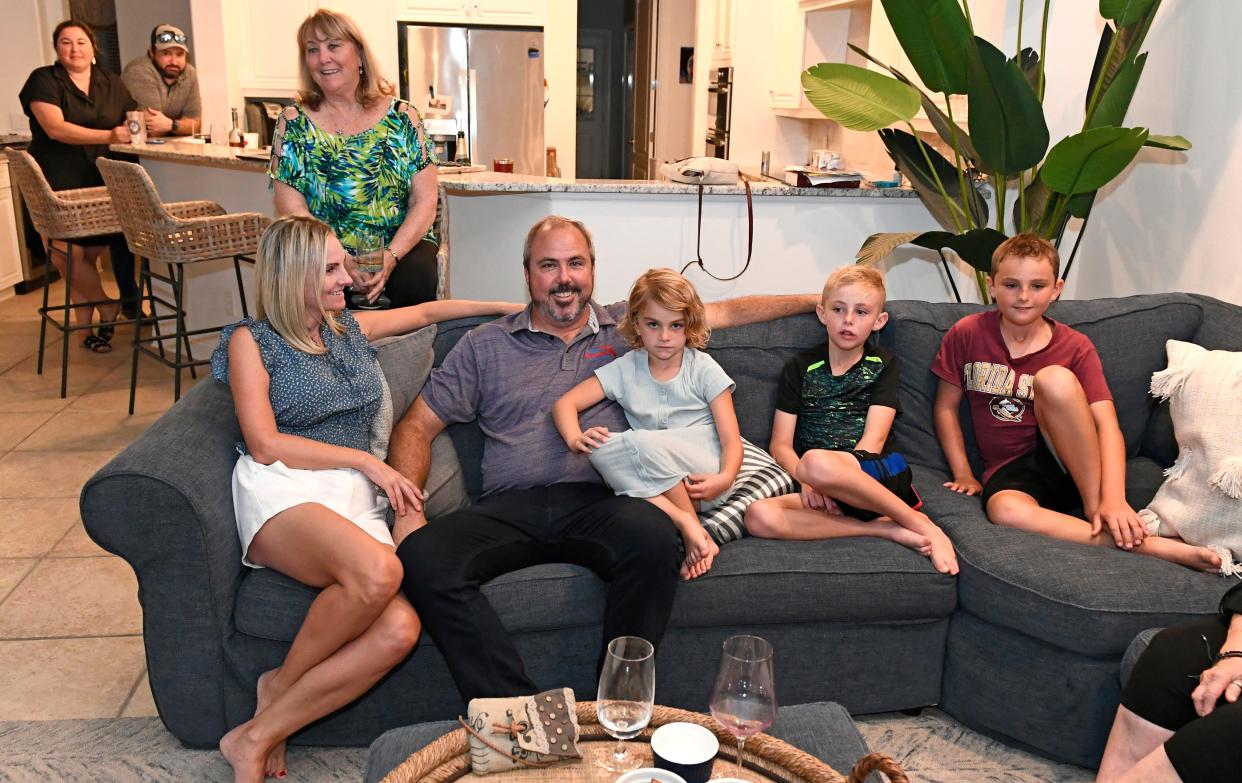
[330,397]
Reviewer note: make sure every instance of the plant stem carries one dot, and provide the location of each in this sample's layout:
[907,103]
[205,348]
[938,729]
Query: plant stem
[1043,47]
[944,262]
[1073,253]
[954,209]
[957,163]
[982,280]
[1022,218]
[1059,213]
[1002,183]
[969,21]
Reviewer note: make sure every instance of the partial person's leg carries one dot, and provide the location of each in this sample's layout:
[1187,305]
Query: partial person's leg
[1131,741]
[1018,509]
[631,545]
[784,517]
[448,560]
[415,277]
[701,550]
[123,271]
[86,284]
[1064,416]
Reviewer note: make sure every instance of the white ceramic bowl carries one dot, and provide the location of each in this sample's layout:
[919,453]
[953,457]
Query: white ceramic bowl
[648,774]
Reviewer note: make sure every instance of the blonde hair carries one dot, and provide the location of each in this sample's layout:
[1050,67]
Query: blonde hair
[325,25]
[292,256]
[1027,245]
[855,274]
[672,292]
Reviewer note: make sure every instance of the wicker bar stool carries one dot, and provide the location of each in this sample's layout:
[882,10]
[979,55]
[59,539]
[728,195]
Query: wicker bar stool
[175,234]
[67,216]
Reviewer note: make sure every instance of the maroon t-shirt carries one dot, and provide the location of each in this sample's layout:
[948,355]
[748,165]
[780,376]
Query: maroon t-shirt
[1001,390]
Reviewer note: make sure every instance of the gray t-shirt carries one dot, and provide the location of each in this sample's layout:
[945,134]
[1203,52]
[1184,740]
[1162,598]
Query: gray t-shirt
[176,100]
[506,376]
[682,401]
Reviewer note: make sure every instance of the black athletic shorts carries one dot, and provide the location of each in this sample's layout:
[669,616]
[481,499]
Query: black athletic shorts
[1201,749]
[893,472]
[1038,474]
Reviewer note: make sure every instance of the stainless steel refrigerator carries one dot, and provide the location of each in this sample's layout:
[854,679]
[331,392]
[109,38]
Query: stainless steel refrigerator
[492,82]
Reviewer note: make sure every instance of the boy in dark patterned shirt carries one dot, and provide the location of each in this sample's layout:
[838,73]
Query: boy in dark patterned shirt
[833,431]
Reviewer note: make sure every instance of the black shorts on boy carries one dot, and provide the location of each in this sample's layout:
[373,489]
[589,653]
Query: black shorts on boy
[1039,474]
[893,473]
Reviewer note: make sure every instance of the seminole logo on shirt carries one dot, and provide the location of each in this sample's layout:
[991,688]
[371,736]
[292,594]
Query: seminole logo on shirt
[1007,404]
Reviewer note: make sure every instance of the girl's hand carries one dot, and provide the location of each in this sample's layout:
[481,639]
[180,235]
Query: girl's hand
[590,440]
[402,493]
[120,135]
[1224,678]
[705,486]
[966,485]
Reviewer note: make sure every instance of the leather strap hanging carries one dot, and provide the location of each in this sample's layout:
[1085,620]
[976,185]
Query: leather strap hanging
[750,238]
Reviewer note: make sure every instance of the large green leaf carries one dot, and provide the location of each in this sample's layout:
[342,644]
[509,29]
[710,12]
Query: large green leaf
[1112,108]
[1089,160]
[975,247]
[1178,143]
[1124,12]
[1080,205]
[1006,119]
[952,133]
[1036,198]
[857,98]
[907,154]
[1028,61]
[934,35]
[878,247]
[1130,39]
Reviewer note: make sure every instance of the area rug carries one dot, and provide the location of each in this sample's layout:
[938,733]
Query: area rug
[932,747]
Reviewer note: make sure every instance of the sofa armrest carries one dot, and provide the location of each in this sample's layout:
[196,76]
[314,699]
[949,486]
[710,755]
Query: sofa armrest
[165,506]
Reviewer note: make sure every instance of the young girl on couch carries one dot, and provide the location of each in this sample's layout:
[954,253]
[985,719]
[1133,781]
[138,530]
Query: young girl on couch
[684,450]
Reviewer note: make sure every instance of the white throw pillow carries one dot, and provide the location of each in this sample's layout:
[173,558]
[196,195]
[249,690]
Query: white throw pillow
[1201,500]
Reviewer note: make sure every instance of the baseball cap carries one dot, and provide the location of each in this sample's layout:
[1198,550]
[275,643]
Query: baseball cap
[167,36]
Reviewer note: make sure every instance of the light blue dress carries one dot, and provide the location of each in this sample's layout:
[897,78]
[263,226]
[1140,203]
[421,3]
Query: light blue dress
[674,432]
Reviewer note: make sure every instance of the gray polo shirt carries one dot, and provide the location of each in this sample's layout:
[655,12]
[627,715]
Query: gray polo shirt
[176,100]
[505,376]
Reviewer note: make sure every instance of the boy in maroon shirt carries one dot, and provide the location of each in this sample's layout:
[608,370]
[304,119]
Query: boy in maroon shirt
[1042,413]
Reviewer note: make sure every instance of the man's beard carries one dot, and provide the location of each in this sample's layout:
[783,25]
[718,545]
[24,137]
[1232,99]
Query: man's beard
[170,71]
[555,313]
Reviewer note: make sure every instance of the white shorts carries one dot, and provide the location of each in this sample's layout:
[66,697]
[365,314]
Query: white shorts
[260,492]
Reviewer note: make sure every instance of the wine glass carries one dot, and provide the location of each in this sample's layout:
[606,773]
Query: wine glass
[626,695]
[369,258]
[744,697]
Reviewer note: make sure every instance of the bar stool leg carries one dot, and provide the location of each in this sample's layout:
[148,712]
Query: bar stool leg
[155,313]
[144,284]
[241,287]
[64,354]
[47,283]
[180,338]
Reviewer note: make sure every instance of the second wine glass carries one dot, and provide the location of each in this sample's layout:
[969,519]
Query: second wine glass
[625,698]
[744,698]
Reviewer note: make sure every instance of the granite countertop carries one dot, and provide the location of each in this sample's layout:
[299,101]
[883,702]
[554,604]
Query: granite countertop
[494,182]
[195,152]
[14,137]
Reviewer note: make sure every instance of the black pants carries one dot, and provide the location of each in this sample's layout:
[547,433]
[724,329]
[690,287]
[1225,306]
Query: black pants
[415,277]
[630,543]
[1202,749]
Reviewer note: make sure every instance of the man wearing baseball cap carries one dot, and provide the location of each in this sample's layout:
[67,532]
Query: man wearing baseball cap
[166,84]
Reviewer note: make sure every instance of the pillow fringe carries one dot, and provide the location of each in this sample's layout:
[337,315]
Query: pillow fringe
[1175,471]
[1169,381]
[1228,477]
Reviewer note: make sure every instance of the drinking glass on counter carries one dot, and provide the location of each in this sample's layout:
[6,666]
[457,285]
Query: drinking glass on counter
[625,698]
[219,135]
[504,165]
[744,698]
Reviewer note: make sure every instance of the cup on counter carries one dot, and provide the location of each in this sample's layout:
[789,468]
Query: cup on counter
[504,165]
[252,140]
[136,121]
[219,135]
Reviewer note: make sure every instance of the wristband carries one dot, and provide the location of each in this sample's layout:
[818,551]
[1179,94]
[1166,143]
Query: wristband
[395,258]
[1228,654]
[175,123]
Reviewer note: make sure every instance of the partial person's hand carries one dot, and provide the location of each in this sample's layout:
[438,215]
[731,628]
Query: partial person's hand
[817,501]
[590,440]
[966,485]
[705,486]
[120,135]
[157,123]
[1124,525]
[402,493]
[358,280]
[1224,678]
[380,279]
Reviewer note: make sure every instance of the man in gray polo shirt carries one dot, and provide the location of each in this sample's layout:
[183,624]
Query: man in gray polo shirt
[165,84]
[541,503]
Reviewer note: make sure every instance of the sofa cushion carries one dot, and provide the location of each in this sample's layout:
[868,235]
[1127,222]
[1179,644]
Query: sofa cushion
[1090,600]
[861,580]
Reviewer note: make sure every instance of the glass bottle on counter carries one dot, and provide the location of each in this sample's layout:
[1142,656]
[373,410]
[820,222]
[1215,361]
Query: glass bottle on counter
[235,135]
[550,167]
[461,155]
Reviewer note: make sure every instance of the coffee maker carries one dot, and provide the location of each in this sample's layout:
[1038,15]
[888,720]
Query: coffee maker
[443,134]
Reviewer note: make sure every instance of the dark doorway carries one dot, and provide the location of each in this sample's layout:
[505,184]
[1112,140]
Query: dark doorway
[601,89]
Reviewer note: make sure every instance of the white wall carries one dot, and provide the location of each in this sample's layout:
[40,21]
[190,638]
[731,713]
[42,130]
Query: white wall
[28,46]
[674,114]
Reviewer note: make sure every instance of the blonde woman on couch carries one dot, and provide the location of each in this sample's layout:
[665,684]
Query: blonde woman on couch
[309,496]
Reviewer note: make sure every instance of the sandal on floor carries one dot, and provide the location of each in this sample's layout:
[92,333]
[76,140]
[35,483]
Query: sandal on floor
[96,343]
[108,330]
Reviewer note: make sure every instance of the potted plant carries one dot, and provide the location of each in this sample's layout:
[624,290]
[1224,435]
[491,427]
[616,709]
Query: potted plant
[1006,140]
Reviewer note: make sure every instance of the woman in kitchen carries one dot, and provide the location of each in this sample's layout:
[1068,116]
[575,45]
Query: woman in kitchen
[76,110]
[352,155]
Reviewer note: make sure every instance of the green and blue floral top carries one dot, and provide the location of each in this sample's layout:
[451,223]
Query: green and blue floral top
[358,184]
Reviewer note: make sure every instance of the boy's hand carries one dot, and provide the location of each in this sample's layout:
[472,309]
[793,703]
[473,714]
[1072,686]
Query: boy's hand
[1124,525]
[590,440]
[817,501]
[705,486]
[967,485]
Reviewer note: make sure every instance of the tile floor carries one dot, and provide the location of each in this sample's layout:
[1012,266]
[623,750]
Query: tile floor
[70,624]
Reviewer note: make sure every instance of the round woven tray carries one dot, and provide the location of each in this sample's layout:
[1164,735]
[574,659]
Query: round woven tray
[765,757]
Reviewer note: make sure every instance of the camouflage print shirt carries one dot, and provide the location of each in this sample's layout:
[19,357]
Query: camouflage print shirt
[832,409]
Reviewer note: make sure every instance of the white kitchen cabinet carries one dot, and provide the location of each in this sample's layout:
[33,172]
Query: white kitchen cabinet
[266,48]
[512,12]
[722,50]
[817,31]
[10,258]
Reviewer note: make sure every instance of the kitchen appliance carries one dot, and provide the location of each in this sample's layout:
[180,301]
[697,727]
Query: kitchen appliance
[719,109]
[484,81]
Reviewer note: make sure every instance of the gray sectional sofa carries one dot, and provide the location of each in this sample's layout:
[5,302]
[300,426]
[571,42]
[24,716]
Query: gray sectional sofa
[1025,644]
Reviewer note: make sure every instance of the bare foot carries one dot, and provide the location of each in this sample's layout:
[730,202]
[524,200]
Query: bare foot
[267,693]
[244,755]
[911,540]
[942,555]
[1200,558]
[701,550]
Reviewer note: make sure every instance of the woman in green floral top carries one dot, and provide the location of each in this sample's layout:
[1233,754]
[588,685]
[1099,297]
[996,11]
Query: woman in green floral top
[358,159]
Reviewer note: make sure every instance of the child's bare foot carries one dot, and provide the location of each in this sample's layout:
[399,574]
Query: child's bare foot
[267,692]
[244,754]
[910,539]
[943,556]
[701,550]
[1200,558]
